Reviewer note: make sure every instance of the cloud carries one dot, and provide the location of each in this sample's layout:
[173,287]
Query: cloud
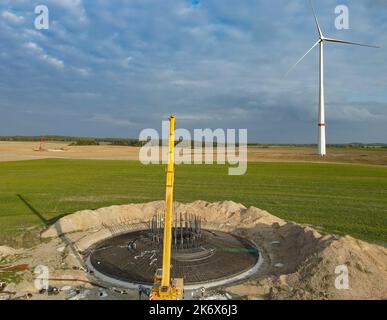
[358,113]
[12,17]
[40,53]
[190,83]
[193,117]
[73,7]
[109,119]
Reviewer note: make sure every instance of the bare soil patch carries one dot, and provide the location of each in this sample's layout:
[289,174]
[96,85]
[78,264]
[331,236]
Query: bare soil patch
[12,151]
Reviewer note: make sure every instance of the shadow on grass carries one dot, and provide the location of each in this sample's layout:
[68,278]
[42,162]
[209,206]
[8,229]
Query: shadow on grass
[48,222]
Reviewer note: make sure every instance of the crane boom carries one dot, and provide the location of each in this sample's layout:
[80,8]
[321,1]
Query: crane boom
[165,288]
[167,247]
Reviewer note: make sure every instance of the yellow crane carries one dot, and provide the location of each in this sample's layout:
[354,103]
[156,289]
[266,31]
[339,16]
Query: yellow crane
[165,288]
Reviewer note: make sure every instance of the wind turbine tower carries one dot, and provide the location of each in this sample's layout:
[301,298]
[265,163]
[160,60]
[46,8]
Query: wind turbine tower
[321,106]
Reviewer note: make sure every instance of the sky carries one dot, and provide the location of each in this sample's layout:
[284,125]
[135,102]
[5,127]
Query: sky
[110,68]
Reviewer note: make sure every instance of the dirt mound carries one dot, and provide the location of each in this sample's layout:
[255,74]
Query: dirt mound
[307,265]
[365,264]
[299,262]
[7,251]
[96,219]
[224,213]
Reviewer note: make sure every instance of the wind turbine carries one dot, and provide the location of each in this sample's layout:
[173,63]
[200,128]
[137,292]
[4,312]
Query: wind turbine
[321,109]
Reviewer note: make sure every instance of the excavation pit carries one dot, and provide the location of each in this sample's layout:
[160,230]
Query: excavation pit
[134,257]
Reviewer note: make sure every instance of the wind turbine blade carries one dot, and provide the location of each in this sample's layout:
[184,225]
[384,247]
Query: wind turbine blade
[315,19]
[347,42]
[302,57]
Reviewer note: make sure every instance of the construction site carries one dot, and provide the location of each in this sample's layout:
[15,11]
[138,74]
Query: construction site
[166,250]
[294,261]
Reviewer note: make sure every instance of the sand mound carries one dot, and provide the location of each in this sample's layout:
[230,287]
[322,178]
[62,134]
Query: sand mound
[96,219]
[218,213]
[7,251]
[299,262]
[316,277]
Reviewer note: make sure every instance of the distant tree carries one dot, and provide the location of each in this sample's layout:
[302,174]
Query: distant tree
[85,142]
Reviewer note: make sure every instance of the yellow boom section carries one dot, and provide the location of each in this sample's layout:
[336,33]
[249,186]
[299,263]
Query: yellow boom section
[165,288]
[167,245]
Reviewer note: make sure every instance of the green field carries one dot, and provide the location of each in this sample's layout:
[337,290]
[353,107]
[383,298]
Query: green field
[345,199]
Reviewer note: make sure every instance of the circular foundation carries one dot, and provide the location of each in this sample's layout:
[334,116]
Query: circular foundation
[134,258]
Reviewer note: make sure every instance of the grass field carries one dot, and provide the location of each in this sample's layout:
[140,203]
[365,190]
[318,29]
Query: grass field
[340,198]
